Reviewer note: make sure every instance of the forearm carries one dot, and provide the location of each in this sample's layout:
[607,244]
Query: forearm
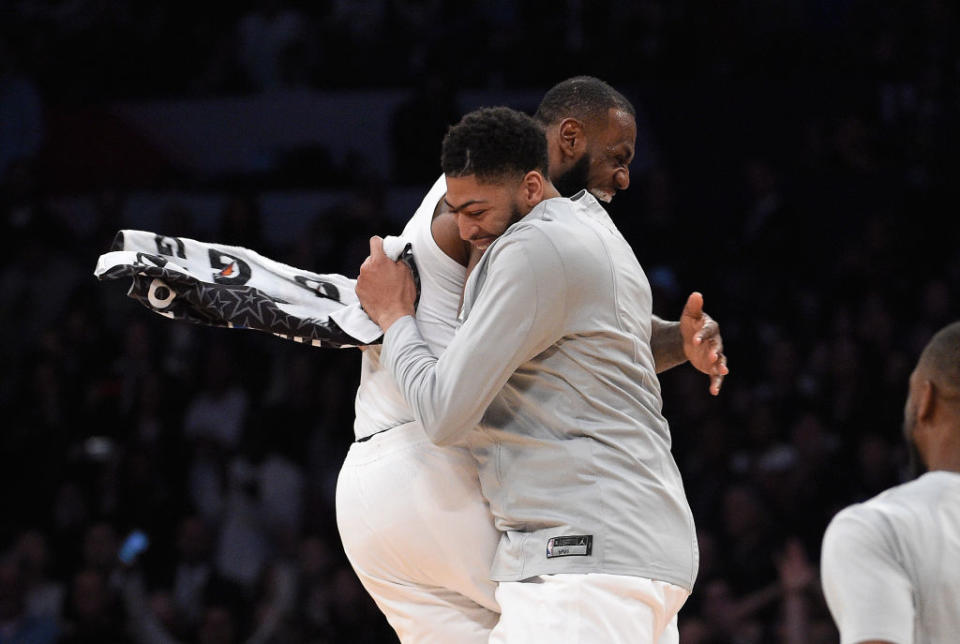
[515,315]
[666,343]
[445,412]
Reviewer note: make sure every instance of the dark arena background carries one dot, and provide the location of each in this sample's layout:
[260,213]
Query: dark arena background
[796,163]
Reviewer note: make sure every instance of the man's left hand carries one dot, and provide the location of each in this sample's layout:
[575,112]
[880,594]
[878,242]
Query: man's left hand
[702,343]
[385,288]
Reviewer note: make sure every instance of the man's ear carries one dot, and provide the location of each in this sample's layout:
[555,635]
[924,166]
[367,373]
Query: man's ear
[926,400]
[573,138]
[531,188]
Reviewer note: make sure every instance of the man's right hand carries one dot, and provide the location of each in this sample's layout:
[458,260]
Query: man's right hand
[702,343]
[385,288]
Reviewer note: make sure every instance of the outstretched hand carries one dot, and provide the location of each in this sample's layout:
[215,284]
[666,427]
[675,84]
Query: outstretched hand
[702,343]
[385,288]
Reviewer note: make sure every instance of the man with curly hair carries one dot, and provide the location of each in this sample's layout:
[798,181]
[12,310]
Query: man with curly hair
[551,383]
[411,518]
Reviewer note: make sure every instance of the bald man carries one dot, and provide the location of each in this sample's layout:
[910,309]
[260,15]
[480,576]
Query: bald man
[891,566]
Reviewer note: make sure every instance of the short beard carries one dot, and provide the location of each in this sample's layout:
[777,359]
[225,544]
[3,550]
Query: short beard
[515,215]
[915,466]
[575,179]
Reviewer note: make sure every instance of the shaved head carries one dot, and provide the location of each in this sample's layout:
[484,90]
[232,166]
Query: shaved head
[940,360]
[931,416]
[585,98]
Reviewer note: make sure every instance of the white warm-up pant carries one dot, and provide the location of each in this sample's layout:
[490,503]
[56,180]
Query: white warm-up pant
[420,536]
[587,609]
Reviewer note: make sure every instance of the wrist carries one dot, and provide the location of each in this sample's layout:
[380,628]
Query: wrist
[666,343]
[387,319]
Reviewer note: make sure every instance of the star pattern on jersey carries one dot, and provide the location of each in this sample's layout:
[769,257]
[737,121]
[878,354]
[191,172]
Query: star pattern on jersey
[242,306]
[280,319]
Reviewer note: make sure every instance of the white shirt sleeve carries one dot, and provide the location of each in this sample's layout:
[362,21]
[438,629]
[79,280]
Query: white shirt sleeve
[518,312]
[864,582]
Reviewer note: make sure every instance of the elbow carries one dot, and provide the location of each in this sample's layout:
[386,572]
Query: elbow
[443,440]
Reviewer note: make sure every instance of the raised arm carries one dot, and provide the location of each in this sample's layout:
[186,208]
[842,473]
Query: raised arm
[514,316]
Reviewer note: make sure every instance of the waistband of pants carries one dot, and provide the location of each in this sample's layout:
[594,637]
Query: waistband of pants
[382,431]
[369,436]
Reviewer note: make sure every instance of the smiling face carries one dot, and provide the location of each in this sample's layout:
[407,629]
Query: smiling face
[610,149]
[484,209]
[602,164]
[494,162]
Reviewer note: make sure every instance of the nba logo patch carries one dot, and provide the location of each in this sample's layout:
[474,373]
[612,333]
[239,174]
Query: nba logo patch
[575,545]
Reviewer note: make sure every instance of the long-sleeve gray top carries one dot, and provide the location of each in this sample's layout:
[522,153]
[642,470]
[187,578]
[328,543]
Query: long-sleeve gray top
[553,363]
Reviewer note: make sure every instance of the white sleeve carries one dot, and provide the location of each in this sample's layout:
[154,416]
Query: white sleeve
[864,582]
[518,312]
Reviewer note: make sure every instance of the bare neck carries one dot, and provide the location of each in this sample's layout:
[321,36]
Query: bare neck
[944,462]
[549,192]
[944,452]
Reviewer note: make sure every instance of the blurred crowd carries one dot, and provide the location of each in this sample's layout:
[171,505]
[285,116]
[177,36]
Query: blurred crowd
[94,50]
[802,179]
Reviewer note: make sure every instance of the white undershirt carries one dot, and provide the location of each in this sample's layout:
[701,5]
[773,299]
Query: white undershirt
[379,403]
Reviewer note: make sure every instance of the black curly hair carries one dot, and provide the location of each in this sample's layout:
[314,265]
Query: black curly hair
[493,143]
[581,97]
